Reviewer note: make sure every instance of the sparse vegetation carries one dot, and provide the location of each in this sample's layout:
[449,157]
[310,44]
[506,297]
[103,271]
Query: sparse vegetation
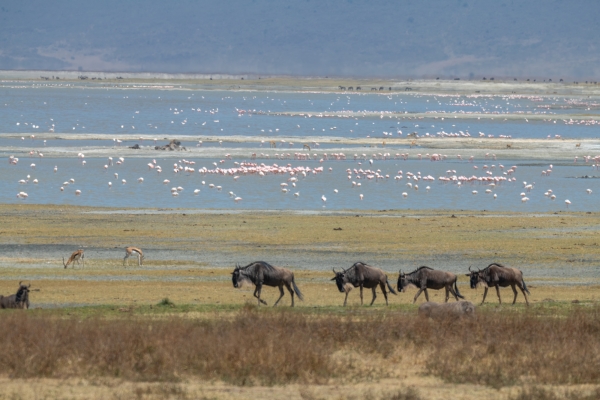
[266,346]
[541,393]
[166,303]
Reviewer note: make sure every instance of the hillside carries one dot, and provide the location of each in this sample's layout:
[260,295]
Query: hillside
[355,38]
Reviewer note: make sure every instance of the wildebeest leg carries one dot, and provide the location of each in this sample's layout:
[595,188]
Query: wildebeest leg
[418,294]
[524,294]
[382,285]
[346,298]
[426,294]
[289,287]
[484,294]
[452,292]
[361,296]
[498,293]
[257,294]
[515,292]
[447,294]
[281,292]
[374,295]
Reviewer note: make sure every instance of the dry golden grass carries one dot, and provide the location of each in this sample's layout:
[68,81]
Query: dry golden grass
[261,346]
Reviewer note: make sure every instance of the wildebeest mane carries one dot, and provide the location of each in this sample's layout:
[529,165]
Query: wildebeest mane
[266,265]
[418,269]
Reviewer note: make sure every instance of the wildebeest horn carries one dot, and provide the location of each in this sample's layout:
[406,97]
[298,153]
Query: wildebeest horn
[20,283]
[470,269]
[333,269]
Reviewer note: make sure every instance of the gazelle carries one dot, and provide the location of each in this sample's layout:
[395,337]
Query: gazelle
[78,254]
[130,251]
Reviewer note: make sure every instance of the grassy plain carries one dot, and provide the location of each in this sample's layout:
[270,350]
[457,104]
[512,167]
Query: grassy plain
[212,342]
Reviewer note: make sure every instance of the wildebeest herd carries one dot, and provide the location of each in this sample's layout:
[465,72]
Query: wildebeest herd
[362,275]
[359,275]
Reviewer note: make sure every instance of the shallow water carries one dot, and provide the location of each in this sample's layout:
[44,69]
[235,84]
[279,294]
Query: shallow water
[154,112]
[27,109]
[263,193]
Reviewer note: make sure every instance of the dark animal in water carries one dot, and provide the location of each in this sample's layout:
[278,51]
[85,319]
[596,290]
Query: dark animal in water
[428,278]
[499,276]
[447,310]
[261,273]
[17,300]
[362,275]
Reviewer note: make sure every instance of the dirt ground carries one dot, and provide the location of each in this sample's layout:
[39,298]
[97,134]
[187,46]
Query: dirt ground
[189,257]
[409,378]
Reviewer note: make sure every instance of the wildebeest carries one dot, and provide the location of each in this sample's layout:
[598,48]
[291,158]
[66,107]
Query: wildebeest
[499,276]
[428,278]
[261,273]
[362,275]
[17,300]
[447,310]
[76,256]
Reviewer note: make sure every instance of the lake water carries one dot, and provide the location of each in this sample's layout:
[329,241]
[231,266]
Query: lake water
[89,109]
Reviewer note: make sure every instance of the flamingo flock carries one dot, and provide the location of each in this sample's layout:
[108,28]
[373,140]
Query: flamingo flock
[493,176]
[363,170]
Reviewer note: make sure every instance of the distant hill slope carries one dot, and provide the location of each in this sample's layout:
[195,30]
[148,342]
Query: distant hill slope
[418,38]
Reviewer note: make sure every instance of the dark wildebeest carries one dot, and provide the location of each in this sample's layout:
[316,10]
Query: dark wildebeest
[261,273]
[362,275]
[447,310]
[428,278]
[499,276]
[17,300]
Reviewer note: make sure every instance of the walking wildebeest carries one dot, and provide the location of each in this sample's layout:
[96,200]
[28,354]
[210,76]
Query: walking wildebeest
[76,256]
[362,275]
[428,278]
[17,300]
[447,310]
[261,273]
[499,276]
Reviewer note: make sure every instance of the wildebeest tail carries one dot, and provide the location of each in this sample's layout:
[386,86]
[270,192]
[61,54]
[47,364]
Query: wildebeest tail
[298,292]
[390,286]
[456,290]
[524,286]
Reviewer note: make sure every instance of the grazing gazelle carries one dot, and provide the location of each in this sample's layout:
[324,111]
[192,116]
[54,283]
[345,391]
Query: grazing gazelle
[78,254]
[129,251]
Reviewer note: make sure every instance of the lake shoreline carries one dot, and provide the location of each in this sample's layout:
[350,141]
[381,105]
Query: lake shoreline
[253,82]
